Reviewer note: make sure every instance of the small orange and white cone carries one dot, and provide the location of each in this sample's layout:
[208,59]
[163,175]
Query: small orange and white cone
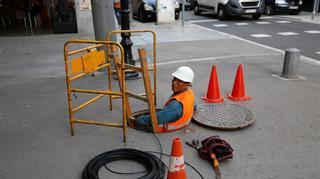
[177,168]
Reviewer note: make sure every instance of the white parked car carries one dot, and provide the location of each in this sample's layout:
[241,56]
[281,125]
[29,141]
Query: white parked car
[228,8]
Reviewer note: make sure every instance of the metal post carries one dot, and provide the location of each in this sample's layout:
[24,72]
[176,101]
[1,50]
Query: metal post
[30,22]
[315,8]
[126,41]
[125,25]
[183,9]
[291,63]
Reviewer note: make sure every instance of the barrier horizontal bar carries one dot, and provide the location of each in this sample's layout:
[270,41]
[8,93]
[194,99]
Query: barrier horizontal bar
[87,103]
[132,67]
[104,92]
[131,94]
[83,74]
[84,49]
[84,121]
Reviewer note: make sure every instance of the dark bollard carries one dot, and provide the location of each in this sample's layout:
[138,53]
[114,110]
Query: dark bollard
[291,63]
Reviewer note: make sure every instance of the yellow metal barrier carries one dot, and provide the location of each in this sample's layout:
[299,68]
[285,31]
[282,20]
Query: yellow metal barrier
[89,60]
[133,68]
[149,96]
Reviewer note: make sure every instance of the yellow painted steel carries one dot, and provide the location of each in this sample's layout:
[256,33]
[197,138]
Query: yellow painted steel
[154,41]
[91,61]
[77,66]
[150,96]
[83,74]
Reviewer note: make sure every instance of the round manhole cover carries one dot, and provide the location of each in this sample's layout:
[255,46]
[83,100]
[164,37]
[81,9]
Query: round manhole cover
[223,115]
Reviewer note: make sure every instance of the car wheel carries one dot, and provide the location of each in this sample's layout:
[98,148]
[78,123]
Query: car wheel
[196,9]
[222,13]
[192,6]
[142,17]
[256,17]
[268,10]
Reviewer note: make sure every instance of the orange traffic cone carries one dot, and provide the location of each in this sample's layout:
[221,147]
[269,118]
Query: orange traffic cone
[213,92]
[177,168]
[238,92]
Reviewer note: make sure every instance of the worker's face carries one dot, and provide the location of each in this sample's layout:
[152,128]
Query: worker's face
[178,86]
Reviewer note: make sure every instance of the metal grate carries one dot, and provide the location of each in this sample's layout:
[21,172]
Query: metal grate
[223,116]
[249,4]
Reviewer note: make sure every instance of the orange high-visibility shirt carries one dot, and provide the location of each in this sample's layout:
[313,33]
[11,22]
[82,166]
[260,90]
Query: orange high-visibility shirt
[186,98]
[117,4]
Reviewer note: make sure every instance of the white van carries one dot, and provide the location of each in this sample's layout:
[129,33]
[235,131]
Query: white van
[227,8]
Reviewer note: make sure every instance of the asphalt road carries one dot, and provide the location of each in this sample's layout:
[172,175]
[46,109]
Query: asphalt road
[272,31]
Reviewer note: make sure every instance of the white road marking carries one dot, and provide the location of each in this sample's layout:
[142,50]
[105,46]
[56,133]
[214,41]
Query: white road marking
[312,31]
[266,17]
[220,25]
[287,33]
[260,35]
[263,22]
[303,58]
[242,23]
[283,22]
[212,58]
[318,53]
[206,20]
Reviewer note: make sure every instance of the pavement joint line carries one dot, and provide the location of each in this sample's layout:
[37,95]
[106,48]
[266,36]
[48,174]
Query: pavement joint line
[304,59]
[212,58]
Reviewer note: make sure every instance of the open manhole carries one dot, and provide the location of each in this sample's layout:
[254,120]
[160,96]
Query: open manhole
[135,115]
[223,116]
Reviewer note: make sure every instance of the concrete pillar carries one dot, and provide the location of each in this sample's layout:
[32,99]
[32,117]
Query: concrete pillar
[103,18]
[84,20]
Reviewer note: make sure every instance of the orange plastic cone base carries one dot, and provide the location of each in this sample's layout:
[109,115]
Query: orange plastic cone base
[213,92]
[177,168]
[238,92]
[232,98]
[205,99]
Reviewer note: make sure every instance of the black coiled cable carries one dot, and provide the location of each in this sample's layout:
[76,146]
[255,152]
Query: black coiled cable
[155,169]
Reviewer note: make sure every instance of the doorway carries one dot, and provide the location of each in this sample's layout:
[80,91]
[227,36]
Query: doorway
[37,17]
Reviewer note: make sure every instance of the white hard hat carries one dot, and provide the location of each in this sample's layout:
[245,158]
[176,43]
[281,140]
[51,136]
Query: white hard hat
[184,73]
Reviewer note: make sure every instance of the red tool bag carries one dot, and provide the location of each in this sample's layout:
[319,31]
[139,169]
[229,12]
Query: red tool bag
[218,146]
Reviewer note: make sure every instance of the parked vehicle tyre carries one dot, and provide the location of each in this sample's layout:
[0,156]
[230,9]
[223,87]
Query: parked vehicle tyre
[256,17]
[222,13]
[192,6]
[142,17]
[196,9]
[268,10]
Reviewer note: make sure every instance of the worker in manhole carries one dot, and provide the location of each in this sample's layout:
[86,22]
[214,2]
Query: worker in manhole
[178,110]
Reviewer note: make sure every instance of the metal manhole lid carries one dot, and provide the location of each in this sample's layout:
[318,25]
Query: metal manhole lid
[223,116]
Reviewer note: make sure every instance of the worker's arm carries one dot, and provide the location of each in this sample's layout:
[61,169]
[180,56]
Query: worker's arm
[170,113]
